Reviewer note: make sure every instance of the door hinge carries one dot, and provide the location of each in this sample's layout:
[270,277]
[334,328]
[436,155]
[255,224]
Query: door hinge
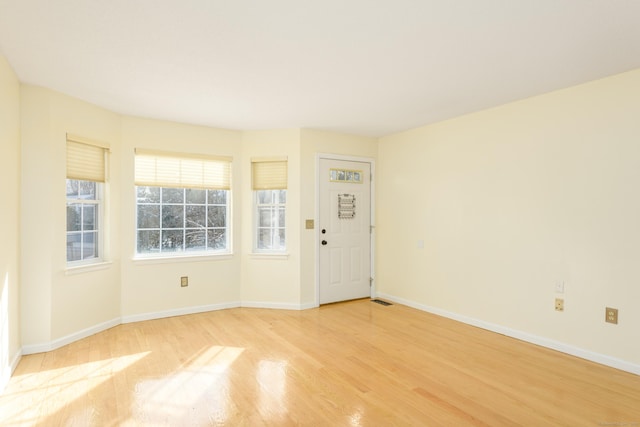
[370,281]
[371,228]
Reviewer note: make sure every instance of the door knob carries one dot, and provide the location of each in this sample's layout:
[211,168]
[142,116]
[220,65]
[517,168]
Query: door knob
[324,242]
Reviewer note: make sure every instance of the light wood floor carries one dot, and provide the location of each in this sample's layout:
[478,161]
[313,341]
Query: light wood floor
[349,364]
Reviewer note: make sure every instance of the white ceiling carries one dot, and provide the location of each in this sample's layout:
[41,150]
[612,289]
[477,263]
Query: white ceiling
[370,67]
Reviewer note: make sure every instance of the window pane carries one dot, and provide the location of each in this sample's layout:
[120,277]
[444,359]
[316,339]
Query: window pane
[74,217]
[196,216]
[265,217]
[217,216]
[271,216]
[271,239]
[280,238]
[148,241]
[172,240]
[89,220]
[148,194]
[264,196]
[217,197]
[74,243]
[265,238]
[72,188]
[89,248]
[172,216]
[217,239]
[172,195]
[185,219]
[87,190]
[82,220]
[195,196]
[148,216]
[195,240]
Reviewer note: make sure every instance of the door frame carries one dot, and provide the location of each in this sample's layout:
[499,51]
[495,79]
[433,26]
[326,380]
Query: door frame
[372,235]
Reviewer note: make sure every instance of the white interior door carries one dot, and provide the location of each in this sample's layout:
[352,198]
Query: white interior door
[344,226]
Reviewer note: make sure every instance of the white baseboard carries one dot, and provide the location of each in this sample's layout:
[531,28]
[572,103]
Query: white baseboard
[44,347]
[602,359]
[41,348]
[6,375]
[178,312]
[15,361]
[274,305]
[308,305]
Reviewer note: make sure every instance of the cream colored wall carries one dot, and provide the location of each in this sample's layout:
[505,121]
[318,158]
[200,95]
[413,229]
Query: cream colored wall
[10,341]
[511,200]
[36,240]
[313,142]
[271,280]
[55,304]
[152,287]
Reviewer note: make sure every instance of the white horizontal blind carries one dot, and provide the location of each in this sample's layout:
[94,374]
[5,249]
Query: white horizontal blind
[161,169]
[269,174]
[85,159]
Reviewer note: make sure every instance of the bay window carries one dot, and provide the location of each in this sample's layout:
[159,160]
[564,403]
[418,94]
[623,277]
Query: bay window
[182,204]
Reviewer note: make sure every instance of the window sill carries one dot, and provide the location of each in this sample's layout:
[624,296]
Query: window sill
[85,268]
[141,260]
[268,255]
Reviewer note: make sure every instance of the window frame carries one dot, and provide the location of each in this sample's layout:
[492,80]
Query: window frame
[183,171]
[99,203]
[184,252]
[269,174]
[256,222]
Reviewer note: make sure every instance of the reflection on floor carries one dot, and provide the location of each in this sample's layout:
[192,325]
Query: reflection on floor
[350,364]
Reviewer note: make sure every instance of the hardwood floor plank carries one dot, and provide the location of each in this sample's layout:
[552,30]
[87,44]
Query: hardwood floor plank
[347,364]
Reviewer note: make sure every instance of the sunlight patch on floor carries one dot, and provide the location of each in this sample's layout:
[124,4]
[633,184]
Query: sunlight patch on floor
[196,394]
[272,378]
[40,395]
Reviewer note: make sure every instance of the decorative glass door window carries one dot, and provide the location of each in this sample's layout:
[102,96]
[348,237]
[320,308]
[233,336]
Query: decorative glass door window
[345,175]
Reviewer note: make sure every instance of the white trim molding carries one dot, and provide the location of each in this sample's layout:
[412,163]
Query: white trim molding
[274,305]
[55,344]
[60,342]
[602,359]
[178,312]
[6,375]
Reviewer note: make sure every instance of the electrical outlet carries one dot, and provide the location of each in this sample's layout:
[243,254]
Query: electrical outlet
[184,281]
[559,304]
[611,315]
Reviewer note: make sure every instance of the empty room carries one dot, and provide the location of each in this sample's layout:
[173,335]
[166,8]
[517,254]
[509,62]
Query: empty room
[336,213]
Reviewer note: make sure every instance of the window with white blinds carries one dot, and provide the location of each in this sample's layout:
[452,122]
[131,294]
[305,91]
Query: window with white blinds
[86,176]
[269,182]
[162,169]
[183,204]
